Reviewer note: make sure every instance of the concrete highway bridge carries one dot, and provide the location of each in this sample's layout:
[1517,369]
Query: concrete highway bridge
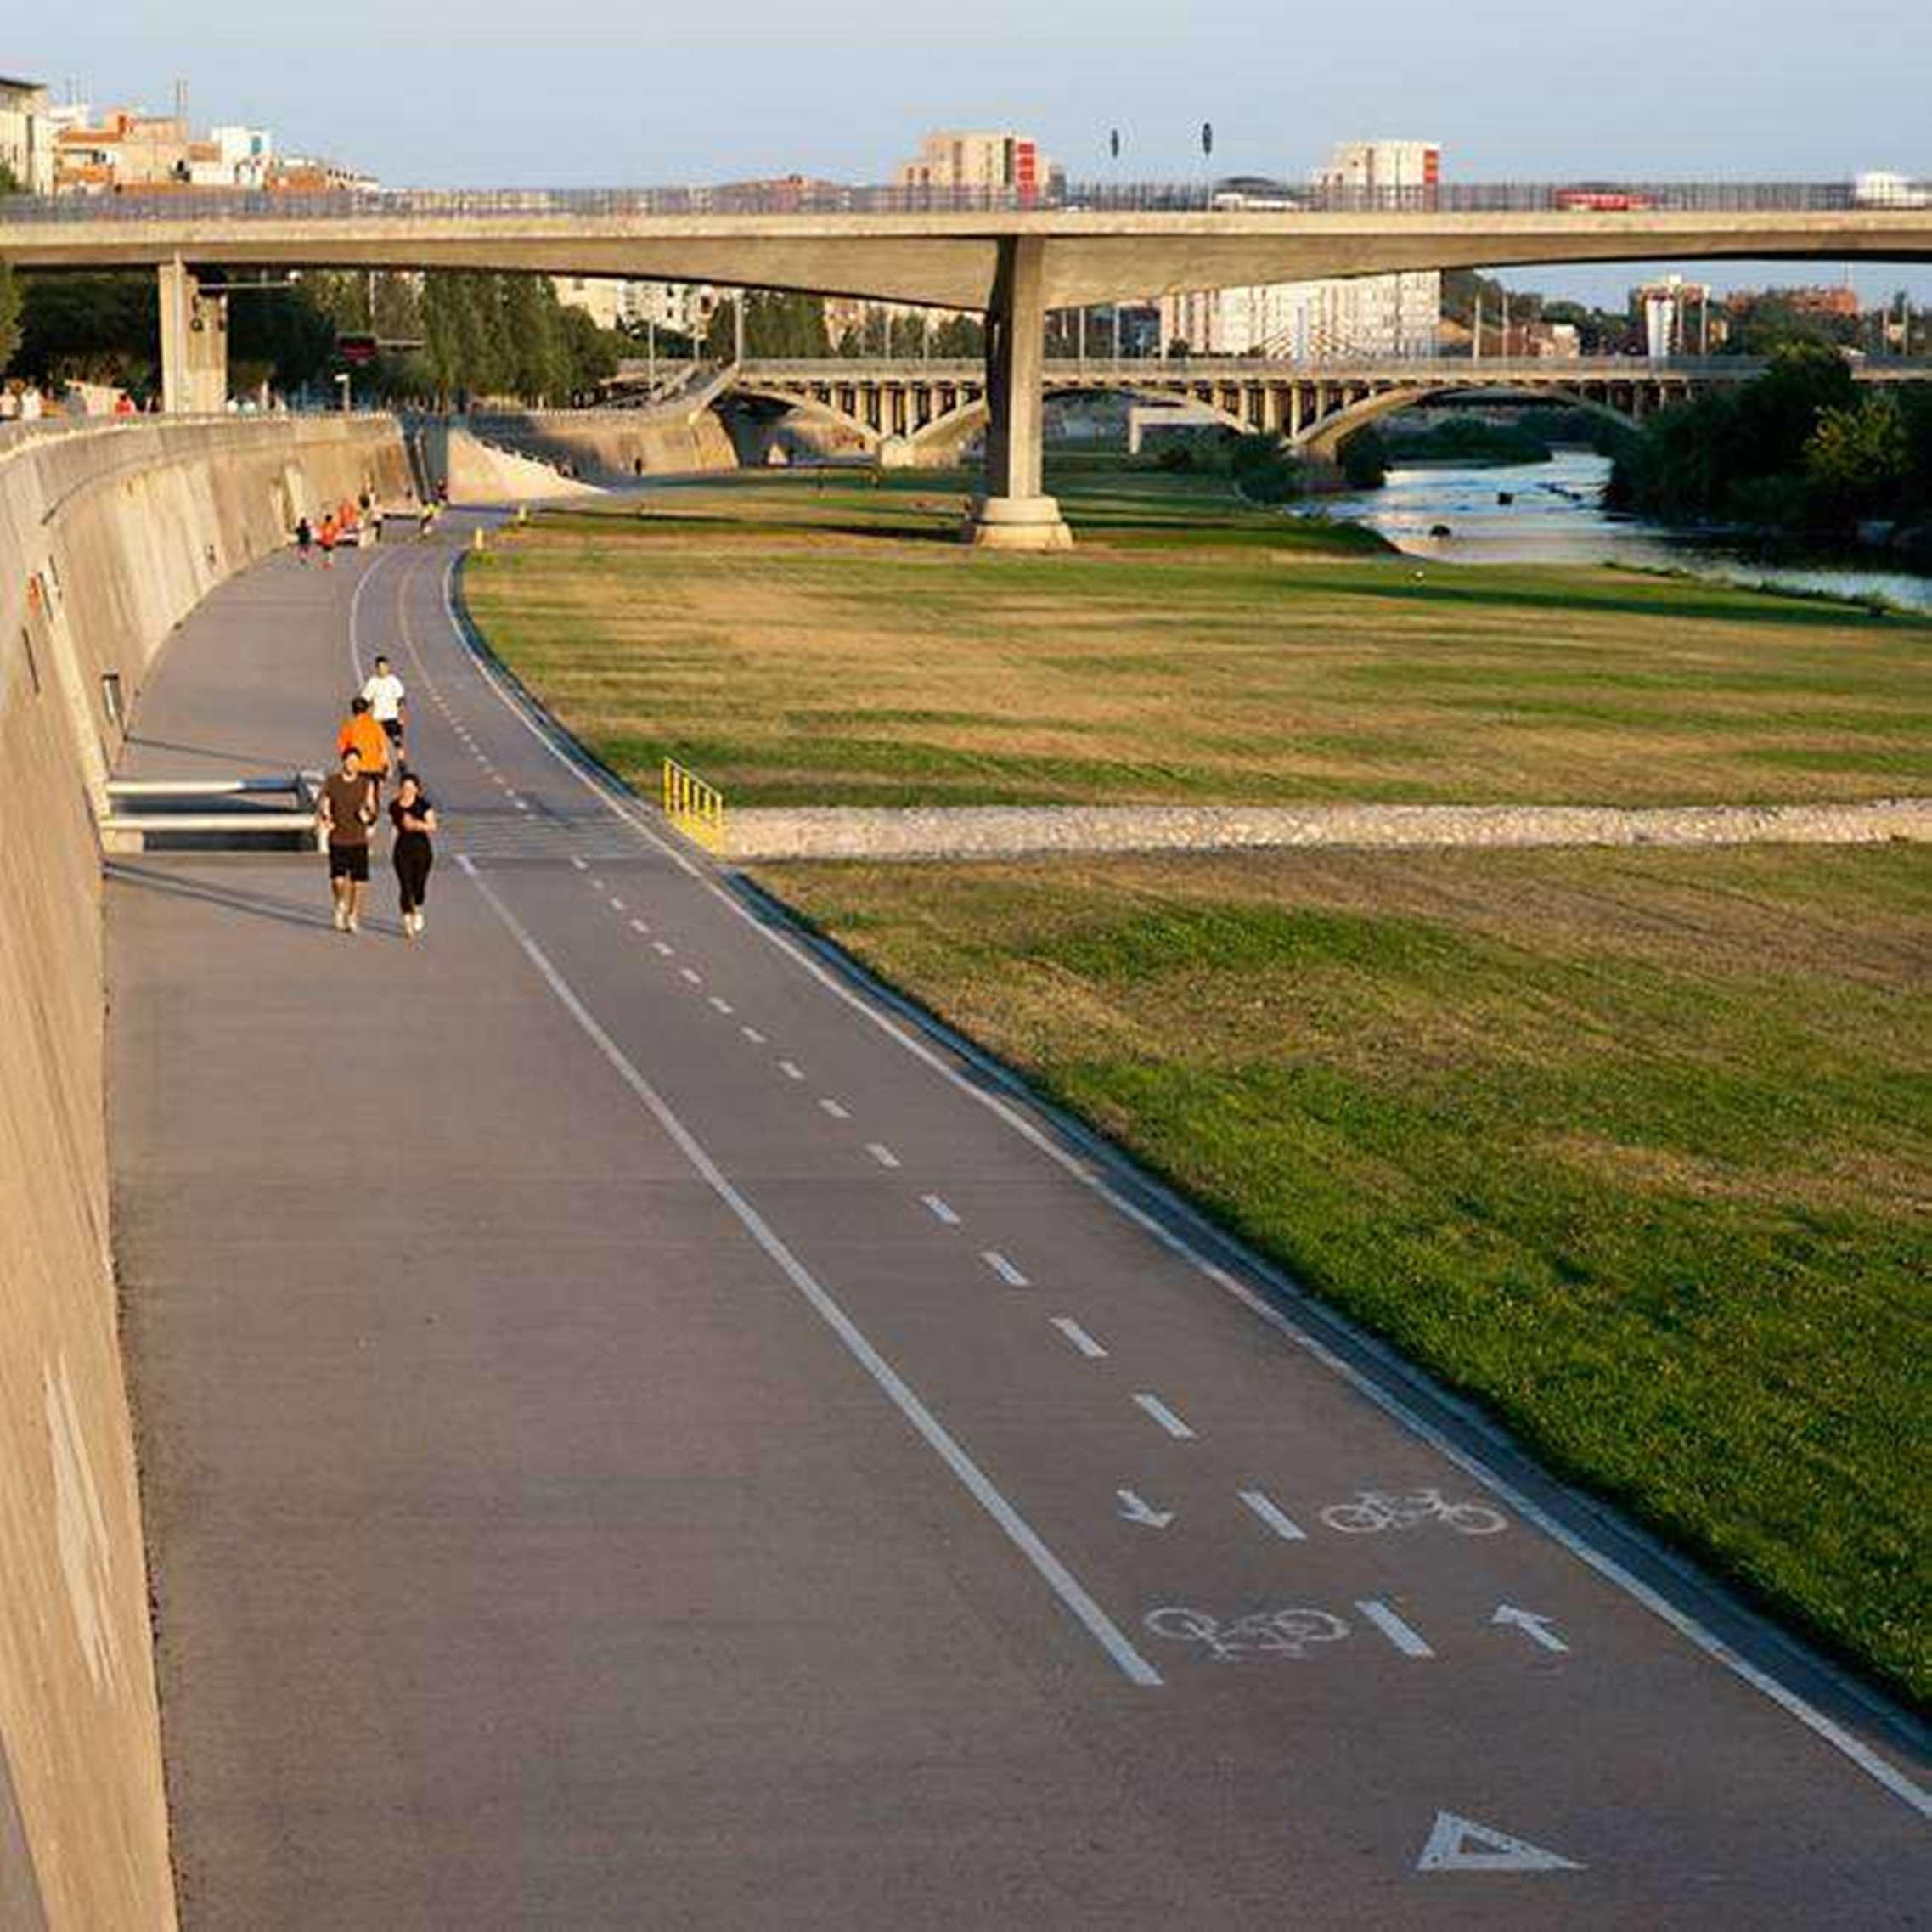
[911,412]
[1011,258]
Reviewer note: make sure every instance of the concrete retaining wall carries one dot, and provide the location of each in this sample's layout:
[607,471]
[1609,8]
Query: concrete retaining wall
[1013,831]
[107,540]
[615,445]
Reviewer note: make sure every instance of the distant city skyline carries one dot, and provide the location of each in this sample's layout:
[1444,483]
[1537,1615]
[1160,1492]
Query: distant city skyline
[549,100]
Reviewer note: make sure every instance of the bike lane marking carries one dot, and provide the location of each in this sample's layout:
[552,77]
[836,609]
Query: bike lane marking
[894,1017]
[1165,1416]
[1005,1269]
[1409,1642]
[1452,1835]
[1019,1532]
[941,1210]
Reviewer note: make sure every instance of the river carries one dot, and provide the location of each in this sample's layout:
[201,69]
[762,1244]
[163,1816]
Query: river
[1557,517]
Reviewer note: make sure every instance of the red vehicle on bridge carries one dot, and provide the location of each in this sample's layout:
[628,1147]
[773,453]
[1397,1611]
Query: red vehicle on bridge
[1602,198]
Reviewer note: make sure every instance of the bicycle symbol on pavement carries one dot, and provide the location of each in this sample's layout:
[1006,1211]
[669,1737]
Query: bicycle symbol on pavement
[1376,1510]
[1261,1633]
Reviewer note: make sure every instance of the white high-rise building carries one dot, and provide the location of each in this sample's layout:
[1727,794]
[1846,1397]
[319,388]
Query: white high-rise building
[26,135]
[1351,318]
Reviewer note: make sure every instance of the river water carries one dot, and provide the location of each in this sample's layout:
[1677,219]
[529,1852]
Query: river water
[1556,517]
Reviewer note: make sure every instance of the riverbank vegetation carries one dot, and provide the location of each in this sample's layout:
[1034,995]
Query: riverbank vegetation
[1633,1148]
[1463,440]
[1800,451]
[815,638]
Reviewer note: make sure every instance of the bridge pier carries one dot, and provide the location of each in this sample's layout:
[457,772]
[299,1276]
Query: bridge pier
[194,345]
[1013,514]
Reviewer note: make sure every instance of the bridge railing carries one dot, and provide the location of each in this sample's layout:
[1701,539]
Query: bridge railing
[826,198]
[1142,369]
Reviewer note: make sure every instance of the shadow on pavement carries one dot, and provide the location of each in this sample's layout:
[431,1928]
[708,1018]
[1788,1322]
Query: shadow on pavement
[305,911]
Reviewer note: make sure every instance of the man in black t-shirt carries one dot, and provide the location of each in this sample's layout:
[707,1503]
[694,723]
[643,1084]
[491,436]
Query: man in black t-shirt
[346,810]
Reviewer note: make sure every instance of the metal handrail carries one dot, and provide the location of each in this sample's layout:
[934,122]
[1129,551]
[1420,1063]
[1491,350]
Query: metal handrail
[1577,196]
[695,808]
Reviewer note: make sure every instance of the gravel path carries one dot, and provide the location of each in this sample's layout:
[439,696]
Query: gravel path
[1000,831]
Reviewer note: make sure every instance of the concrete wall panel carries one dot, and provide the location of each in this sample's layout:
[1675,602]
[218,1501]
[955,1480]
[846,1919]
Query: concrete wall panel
[107,540]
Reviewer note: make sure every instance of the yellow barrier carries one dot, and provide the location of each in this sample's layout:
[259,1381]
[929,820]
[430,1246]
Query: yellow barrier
[695,808]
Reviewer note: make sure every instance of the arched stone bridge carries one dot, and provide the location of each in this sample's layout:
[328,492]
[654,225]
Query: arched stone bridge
[911,413]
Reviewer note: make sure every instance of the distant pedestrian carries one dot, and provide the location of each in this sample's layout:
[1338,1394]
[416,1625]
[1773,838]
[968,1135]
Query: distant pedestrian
[389,705]
[414,817]
[325,536]
[305,538]
[361,735]
[346,809]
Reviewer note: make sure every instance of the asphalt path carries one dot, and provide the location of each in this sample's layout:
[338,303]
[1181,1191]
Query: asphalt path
[638,1432]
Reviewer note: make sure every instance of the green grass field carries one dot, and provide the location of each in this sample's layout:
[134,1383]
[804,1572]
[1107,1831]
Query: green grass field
[800,642]
[1637,1150]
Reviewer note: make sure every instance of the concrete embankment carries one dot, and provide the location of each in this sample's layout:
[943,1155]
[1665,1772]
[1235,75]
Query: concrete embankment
[108,540]
[1003,831]
[594,446]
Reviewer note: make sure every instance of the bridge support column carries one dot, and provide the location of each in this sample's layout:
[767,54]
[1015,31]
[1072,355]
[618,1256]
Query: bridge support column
[1013,514]
[194,345]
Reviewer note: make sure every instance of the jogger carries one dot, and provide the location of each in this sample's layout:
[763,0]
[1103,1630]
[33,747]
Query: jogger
[346,809]
[414,817]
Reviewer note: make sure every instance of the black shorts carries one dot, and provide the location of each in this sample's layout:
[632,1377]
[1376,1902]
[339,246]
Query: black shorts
[393,728]
[348,862]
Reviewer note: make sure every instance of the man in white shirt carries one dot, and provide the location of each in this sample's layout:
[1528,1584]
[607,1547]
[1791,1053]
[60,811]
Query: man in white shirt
[389,706]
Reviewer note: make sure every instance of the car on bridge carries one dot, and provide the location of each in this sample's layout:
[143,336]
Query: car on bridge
[1602,198]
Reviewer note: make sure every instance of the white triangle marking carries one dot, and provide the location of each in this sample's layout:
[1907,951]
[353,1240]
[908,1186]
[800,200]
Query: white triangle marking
[1451,1840]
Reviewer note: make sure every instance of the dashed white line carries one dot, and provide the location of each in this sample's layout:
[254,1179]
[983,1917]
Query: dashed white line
[638,927]
[1285,1526]
[722,1006]
[617,906]
[691,973]
[1408,1641]
[752,1034]
[596,884]
[659,946]
[791,1070]
[1004,1269]
[941,1209]
[1165,1416]
[881,1154]
[835,1109]
[1079,1337]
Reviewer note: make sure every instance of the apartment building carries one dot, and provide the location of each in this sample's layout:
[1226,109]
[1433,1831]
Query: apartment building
[26,135]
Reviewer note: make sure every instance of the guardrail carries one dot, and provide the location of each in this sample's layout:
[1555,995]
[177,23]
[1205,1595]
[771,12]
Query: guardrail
[831,198]
[695,808]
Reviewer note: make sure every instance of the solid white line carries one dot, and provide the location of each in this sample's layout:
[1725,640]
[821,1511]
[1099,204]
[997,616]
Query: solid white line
[1079,1337]
[1165,1416]
[1405,1640]
[624,807]
[881,1154]
[791,1070]
[1018,1531]
[835,1109]
[1005,1269]
[942,1209]
[1285,1526]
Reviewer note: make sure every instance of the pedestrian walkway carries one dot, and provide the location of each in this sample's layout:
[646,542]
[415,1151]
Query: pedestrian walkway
[635,1436]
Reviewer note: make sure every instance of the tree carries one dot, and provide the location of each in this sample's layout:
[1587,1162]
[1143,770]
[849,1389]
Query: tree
[1857,457]
[90,328]
[9,315]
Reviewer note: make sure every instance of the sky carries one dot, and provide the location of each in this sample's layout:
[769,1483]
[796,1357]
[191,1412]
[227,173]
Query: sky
[503,93]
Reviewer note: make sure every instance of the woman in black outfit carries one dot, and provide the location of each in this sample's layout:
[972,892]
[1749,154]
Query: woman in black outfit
[414,818]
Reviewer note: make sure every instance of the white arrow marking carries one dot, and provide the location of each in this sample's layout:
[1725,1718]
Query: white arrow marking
[1134,1510]
[1408,1641]
[1532,1624]
[1285,1526]
[1079,1337]
[1496,1851]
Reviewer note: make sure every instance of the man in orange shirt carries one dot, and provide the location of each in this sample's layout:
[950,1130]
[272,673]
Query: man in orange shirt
[360,733]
